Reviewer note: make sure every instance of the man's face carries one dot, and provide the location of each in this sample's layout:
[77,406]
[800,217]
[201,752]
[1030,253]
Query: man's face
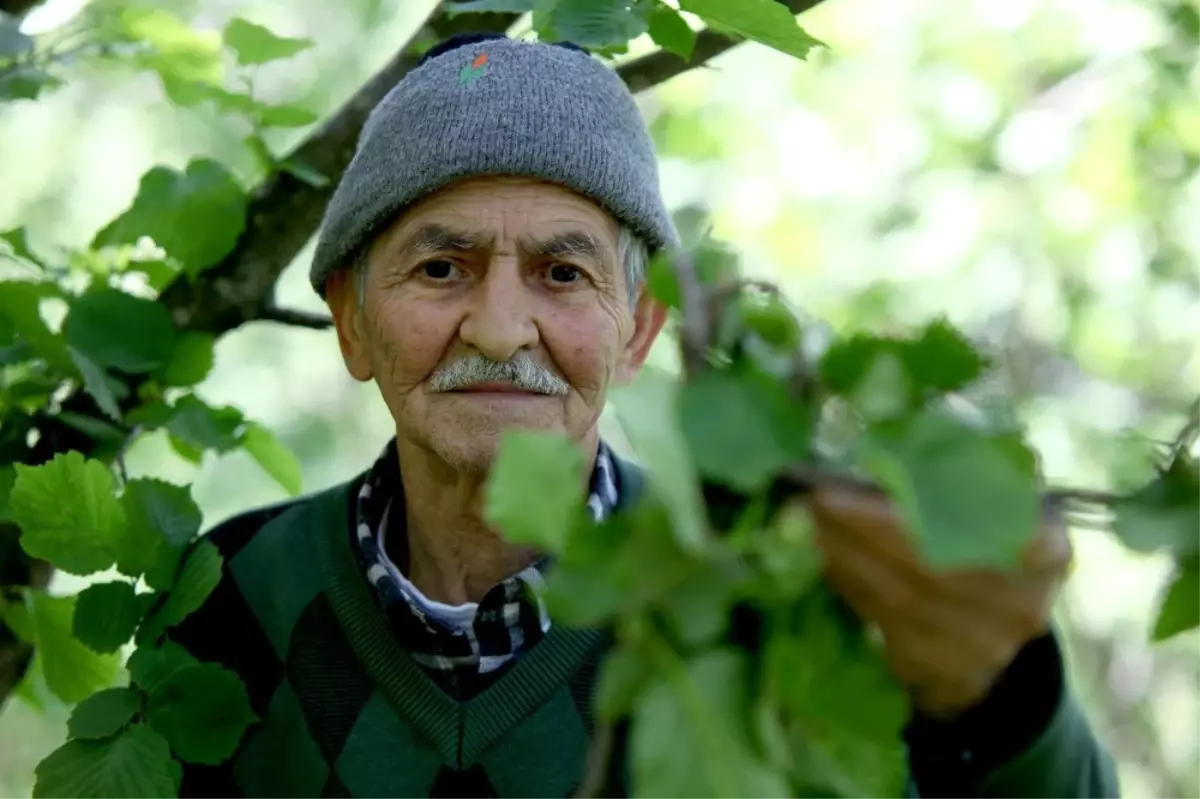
[487,273]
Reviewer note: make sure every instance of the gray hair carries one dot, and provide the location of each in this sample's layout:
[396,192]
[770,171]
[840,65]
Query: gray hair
[632,253]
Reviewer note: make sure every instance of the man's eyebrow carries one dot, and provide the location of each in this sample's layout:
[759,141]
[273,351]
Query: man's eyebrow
[434,238]
[574,243]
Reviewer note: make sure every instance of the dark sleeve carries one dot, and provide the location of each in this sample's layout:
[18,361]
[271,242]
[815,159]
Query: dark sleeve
[1027,738]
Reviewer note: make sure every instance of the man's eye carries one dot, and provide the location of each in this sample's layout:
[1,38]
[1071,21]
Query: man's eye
[562,273]
[438,270]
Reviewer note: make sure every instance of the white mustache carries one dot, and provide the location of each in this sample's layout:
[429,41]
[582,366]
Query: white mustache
[522,371]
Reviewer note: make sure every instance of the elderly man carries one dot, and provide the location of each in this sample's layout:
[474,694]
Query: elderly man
[484,260]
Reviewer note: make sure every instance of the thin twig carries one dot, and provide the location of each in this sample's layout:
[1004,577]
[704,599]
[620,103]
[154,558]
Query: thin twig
[295,317]
[1187,436]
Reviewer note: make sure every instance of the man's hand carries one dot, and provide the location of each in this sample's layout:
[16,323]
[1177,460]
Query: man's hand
[947,635]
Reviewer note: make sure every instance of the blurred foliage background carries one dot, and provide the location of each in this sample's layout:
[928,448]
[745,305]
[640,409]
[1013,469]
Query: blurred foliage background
[1026,168]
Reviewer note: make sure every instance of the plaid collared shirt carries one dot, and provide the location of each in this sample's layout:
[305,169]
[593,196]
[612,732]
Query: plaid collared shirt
[509,619]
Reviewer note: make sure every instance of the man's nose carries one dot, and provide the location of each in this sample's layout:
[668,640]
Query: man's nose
[499,322]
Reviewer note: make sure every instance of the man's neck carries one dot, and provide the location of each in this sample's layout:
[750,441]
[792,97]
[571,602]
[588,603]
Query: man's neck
[454,557]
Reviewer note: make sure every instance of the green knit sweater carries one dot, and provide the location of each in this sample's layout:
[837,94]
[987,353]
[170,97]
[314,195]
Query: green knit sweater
[345,712]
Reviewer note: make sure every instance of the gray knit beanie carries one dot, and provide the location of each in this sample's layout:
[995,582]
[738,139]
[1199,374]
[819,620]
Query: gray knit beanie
[497,107]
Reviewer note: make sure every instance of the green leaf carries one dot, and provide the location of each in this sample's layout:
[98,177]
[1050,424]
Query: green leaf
[765,21]
[846,712]
[148,666]
[967,498]
[203,712]
[104,714]
[119,330]
[26,83]
[742,426]
[255,44]
[135,764]
[1180,609]
[68,513]
[671,32]
[285,116]
[304,173]
[534,489]
[191,360]
[196,216]
[594,24]
[942,360]
[12,41]
[647,411]
[162,520]
[106,615]
[97,383]
[689,738]
[181,55]
[200,574]
[8,477]
[275,459]
[159,274]
[453,9]
[203,427]
[19,309]
[624,675]
[19,245]
[1164,514]
[72,671]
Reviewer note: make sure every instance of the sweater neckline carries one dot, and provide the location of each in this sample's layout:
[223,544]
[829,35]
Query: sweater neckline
[460,731]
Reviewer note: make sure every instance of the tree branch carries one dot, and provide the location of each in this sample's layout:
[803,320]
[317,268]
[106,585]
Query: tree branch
[296,318]
[285,211]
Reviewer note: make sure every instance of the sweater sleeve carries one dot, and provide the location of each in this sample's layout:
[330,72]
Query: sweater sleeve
[1027,738]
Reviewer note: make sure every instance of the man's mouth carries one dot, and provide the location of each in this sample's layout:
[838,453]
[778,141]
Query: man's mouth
[494,388]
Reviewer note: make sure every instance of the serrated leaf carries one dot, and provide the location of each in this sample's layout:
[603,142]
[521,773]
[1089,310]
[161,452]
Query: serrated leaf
[196,215]
[104,713]
[68,513]
[203,427]
[148,666]
[203,712]
[106,615]
[671,32]
[1180,609]
[846,712]
[191,360]
[72,671]
[162,520]
[453,9]
[118,330]
[286,116]
[255,44]
[742,427]
[534,490]
[136,764]
[97,384]
[688,736]
[594,24]
[200,574]
[764,21]
[941,473]
[648,413]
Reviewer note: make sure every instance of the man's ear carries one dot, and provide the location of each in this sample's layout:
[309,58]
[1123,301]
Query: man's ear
[342,299]
[649,316]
